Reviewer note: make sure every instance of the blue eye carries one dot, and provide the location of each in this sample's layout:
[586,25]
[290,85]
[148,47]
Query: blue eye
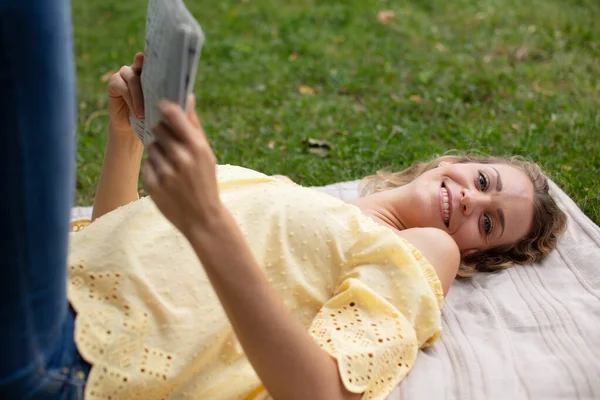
[483,181]
[486,224]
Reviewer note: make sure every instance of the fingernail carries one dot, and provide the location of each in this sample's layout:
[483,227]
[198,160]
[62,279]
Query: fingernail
[161,104]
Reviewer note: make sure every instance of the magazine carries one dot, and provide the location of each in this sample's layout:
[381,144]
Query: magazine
[174,40]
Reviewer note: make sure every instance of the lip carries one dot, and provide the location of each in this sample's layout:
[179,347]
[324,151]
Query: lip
[449,204]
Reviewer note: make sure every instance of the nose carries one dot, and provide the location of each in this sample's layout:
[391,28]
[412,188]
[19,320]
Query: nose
[473,200]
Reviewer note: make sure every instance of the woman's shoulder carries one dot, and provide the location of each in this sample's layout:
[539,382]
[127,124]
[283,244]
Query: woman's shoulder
[440,250]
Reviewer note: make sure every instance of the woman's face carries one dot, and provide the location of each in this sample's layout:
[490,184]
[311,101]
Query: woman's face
[480,205]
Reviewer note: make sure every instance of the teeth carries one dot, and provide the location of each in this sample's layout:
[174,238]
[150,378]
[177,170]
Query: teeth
[446,205]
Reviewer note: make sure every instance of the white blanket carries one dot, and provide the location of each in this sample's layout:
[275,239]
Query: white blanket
[531,332]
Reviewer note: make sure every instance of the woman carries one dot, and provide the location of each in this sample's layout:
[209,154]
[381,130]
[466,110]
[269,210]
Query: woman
[252,287]
[365,278]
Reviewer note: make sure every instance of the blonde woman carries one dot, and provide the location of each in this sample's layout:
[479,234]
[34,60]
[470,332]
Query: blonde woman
[229,284]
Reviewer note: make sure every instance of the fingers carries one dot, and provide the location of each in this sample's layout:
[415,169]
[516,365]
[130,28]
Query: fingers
[191,111]
[172,148]
[118,88]
[150,177]
[161,165]
[181,141]
[134,84]
[179,124]
[186,130]
[138,63]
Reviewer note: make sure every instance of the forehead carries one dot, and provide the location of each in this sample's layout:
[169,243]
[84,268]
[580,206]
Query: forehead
[515,199]
[514,180]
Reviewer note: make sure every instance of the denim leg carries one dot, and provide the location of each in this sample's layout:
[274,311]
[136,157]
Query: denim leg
[37,135]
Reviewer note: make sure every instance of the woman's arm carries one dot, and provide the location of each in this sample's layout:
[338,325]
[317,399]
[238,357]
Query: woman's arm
[121,168]
[120,172]
[180,175]
[288,361]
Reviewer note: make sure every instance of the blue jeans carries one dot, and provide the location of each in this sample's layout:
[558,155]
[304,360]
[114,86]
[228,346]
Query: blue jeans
[38,357]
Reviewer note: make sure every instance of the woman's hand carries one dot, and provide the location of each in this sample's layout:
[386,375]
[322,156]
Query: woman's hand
[121,168]
[125,95]
[180,172]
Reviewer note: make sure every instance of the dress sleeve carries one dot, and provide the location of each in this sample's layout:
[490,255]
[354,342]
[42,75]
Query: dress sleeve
[375,324]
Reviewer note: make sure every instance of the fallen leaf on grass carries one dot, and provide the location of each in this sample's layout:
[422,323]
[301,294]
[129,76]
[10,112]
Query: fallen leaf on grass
[106,77]
[386,16]
[541,90]
[441,48]
[516,127]
[306,90]
[359,107]
[522,54]
[293,57]
[416,98]
[271,144]
[318,147]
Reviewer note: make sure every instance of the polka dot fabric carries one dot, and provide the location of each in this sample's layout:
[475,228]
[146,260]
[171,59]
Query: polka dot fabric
[152,327]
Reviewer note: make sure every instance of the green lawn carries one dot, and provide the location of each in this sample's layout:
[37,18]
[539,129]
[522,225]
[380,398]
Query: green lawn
[498,76]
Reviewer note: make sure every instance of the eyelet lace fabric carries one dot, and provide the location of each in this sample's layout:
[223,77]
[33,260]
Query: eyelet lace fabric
[375,333]
[152,327]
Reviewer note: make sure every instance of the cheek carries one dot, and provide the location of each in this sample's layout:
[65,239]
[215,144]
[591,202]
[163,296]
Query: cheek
[467,236]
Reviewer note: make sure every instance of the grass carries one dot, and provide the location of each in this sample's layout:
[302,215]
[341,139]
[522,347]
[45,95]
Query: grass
[498,76]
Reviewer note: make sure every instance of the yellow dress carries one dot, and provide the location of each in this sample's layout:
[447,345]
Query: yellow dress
[152,327]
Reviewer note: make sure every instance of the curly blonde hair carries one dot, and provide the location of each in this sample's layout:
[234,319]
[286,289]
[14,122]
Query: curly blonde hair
[549,221]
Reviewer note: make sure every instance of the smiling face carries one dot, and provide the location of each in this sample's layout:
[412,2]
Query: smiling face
[480,205]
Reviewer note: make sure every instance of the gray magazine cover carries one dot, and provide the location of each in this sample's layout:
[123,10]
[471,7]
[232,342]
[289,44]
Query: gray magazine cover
[174,40]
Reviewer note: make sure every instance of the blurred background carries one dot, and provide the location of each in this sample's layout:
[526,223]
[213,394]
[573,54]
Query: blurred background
[324,91]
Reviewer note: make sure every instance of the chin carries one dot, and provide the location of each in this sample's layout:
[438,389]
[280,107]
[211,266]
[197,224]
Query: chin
[426,206]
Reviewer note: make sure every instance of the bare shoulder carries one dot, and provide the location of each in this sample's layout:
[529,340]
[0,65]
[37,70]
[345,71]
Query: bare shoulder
[440,250]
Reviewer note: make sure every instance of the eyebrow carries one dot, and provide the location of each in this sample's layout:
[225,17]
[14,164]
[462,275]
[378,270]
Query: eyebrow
[502,223]
[500,212]
[498,181]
